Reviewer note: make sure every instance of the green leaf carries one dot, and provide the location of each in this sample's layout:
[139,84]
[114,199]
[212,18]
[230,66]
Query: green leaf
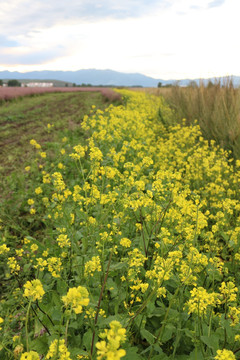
[26,267]
[40,344]
[37,327]
[62,287]
[162,357]
[195,355]
[148,336]
[168,332]
[74,325]
[55,298]
[106,321]
[131,354]
[118,266]
[77,351]
[87,339]
[56,314]
[212,341]
[226,325]
[112,287]
[78,235]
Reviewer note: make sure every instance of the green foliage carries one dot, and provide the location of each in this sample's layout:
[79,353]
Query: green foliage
[120,239]
[13,83]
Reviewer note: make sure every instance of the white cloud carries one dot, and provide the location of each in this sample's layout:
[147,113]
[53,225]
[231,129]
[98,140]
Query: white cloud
[178,39]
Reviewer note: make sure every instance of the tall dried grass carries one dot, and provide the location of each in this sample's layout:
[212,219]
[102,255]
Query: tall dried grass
[216,107]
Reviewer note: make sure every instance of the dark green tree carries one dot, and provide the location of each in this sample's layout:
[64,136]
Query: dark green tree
[13,83]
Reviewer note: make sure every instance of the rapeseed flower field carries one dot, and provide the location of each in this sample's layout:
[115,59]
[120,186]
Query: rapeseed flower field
[137,250]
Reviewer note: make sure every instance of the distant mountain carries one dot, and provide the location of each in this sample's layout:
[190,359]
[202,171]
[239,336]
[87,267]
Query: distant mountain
[89,76]
[100,77]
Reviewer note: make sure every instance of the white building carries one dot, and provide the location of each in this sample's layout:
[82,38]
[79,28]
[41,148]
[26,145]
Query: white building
[37,84]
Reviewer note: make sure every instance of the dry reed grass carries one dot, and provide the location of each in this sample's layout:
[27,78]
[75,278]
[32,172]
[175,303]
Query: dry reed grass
[216,108]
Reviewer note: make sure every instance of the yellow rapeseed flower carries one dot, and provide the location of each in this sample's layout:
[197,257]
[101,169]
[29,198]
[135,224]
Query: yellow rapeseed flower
[200,300]
[58,350]
[4,249]
[33,290]
[92,265]
[1,321]
[225,355]
[125,242]
[63,241]
[76,298]
[30,355]
[109,349]
[38,190]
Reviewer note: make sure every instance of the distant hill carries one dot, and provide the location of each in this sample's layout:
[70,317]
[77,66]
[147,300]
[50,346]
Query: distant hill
[100,77]
[89,76]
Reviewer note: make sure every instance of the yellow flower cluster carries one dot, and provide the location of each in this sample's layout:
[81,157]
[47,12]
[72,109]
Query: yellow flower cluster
[228,291]
[41,264]
[58,181]
[109,349]
[54,266]
[200,300]
[79,152]
[136,261]
[13,265]
[58,351]
[38,190]
[30,355]
[76,298]
[35,144]
[1,321]
[4,249]
[92,265]
[161,270]
[63,241]
[33,290]
[95,154]
[43,154]
[225,355]
[125,242]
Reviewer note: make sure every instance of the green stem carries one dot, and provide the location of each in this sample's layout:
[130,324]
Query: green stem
[144,304]
[82,170]
[26,324]
[4,347]
[44,313]
[225,331]
[40,321]
[200,332]
[161,330]
[99,301]
[210,324]
[66,331]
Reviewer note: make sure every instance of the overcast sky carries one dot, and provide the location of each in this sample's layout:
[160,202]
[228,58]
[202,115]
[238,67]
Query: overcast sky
[165,39]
